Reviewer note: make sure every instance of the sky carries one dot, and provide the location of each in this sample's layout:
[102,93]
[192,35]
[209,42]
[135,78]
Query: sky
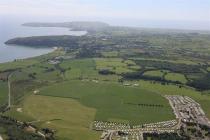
[186,14]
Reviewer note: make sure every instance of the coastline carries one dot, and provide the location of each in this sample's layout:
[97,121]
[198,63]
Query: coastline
[31,57]
[8,53]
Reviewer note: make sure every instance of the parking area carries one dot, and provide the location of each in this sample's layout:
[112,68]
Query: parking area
[187,110]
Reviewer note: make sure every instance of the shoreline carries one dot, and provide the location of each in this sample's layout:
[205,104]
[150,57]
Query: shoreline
[25,58]
[9,53]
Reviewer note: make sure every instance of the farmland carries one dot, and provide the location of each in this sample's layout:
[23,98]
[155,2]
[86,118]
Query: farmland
[67,116]
[3,91]
[117,75]
[114,64]
[85,93]
[176,77]
[97,95]
[155,73]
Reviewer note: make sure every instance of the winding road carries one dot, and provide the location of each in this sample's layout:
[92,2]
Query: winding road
[9,104]
[9,90]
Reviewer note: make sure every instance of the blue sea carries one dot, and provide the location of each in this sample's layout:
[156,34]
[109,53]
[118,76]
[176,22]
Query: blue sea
[11,29]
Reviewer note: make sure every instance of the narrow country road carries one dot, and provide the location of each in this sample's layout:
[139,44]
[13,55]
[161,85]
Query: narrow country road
[9,90]
[9,104]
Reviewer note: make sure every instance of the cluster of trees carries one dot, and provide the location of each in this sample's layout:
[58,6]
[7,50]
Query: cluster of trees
[145,105]
[163,136]
[179,68]
[15,130]
[139,75]
[4,76]
[105,72]
[18,92]
[195,131]
[49,69]
[60,69]
[3,107]
[88,53]
[202,83]
[32,75]
[204,127]
[47,41]
[49,133]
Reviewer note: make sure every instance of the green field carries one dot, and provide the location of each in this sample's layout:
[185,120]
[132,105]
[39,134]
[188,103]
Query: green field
[70,106]
[17,64]
[115,64]
[179,61]
[84,69]
[3,92]
[203,99]
[104,96]
[68,117]
[155,73]
[73,116]
[110,54]
[80,68]
[176,77]
[208,68]
[117,75]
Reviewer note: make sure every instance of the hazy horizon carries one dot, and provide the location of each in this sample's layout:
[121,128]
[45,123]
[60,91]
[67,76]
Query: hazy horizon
[174,14]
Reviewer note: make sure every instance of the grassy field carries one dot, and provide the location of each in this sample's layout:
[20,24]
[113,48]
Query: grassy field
[110,54]
[88,68]
[24,63]
[104,96]
[176,77]
[208,68]
[17,64]
[70,106]
[179,61]
[84,69]
[79,103]
[3,92]
[203,99]
[100,78]
[80,68]
[115,64]
[43,71]
[155,73]
[70,119]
